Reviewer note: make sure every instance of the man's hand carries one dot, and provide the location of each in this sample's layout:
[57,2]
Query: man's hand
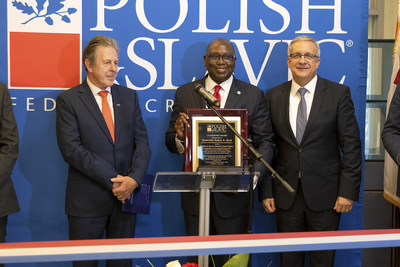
[343,205]
[269,205]
[180,124]
[123,186]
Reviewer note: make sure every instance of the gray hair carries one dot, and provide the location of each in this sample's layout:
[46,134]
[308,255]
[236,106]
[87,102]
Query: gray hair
[90,52]
[303,38]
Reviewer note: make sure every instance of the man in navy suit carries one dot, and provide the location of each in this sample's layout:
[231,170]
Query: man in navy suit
[102,136]
[229,211]
[318,151]
[9,142]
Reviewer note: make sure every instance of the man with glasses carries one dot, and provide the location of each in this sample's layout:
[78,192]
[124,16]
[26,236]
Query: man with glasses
[229,211]
[318,151]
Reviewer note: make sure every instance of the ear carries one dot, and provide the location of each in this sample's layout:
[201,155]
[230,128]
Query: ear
[318,61]
[88,65]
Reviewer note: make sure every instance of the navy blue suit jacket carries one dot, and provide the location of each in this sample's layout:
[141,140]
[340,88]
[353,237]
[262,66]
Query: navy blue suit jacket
[241,96]
[329,156]
[86,145]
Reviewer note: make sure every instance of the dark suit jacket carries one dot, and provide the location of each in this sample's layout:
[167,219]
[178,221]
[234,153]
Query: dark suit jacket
[391,130]
[329,156]
[87,146]
[9,142]
[241,96]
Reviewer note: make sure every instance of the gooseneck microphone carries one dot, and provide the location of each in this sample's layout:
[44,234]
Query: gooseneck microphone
[209,98]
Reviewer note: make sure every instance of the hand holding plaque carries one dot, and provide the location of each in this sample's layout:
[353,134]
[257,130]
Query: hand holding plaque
[180,124]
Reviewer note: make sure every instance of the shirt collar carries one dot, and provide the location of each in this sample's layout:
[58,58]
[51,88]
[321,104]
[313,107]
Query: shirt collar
[95,90]
[226,85]
[310,86]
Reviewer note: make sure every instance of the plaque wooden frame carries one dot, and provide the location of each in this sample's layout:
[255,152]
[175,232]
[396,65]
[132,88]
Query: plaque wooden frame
[207,115]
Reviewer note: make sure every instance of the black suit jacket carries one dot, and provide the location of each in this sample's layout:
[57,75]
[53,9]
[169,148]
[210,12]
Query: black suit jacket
[329,156]
[241,96]
[391,130]
[9,143]
[87,146]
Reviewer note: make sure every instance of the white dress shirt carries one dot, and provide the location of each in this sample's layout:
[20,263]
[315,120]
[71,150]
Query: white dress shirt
[224,91]
[294,100]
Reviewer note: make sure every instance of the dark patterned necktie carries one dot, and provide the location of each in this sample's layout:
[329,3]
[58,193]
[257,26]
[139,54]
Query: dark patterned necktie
[301,120]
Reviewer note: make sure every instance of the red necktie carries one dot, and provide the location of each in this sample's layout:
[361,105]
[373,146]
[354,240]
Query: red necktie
[216,94]
[105,109]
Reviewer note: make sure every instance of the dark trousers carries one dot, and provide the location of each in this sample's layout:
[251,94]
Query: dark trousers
[300,218]
[115,225]
[3,231]
[218,226]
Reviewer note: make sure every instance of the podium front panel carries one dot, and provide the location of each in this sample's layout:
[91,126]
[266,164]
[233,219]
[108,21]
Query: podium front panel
[177,182]
[225,181]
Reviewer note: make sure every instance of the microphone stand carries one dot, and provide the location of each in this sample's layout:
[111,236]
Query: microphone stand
[257,155]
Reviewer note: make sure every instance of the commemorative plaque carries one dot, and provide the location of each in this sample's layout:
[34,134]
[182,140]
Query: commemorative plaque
[209,142]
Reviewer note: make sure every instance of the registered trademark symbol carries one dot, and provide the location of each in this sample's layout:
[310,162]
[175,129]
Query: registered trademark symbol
[349,43]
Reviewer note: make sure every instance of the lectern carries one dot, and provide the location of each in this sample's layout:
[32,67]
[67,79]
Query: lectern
[204,181]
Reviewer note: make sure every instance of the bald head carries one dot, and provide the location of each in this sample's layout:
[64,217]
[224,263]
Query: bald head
[220,60]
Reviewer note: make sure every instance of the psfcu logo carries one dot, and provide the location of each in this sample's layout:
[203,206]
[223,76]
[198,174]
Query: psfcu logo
[216,128]
[44,43]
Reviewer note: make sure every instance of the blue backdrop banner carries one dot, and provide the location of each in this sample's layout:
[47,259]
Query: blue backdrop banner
[162,44]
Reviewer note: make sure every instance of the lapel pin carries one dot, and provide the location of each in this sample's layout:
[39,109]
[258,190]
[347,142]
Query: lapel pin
[238,92]
[118,105]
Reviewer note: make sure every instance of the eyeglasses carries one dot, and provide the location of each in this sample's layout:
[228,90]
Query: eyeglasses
[307,56]
[225,57]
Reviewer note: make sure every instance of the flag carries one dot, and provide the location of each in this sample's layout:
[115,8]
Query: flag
[391,185]
[44,43]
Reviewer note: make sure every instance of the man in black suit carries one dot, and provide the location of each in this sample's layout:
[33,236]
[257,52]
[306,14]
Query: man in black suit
[391,129]
[318,151]
[9,142]
[102,136]
[229,212]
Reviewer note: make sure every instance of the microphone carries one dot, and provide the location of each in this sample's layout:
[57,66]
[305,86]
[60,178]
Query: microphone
[209,98]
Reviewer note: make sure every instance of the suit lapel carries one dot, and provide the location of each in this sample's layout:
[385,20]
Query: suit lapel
[234,96]
[285,112]
[319,96]
[88,100]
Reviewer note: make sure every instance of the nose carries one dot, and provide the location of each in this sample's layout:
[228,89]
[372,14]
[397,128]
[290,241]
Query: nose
[220,60]
[113,67]
[302,59]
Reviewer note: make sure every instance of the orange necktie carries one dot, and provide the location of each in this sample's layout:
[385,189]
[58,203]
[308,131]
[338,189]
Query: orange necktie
[105,109]
[216,94]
